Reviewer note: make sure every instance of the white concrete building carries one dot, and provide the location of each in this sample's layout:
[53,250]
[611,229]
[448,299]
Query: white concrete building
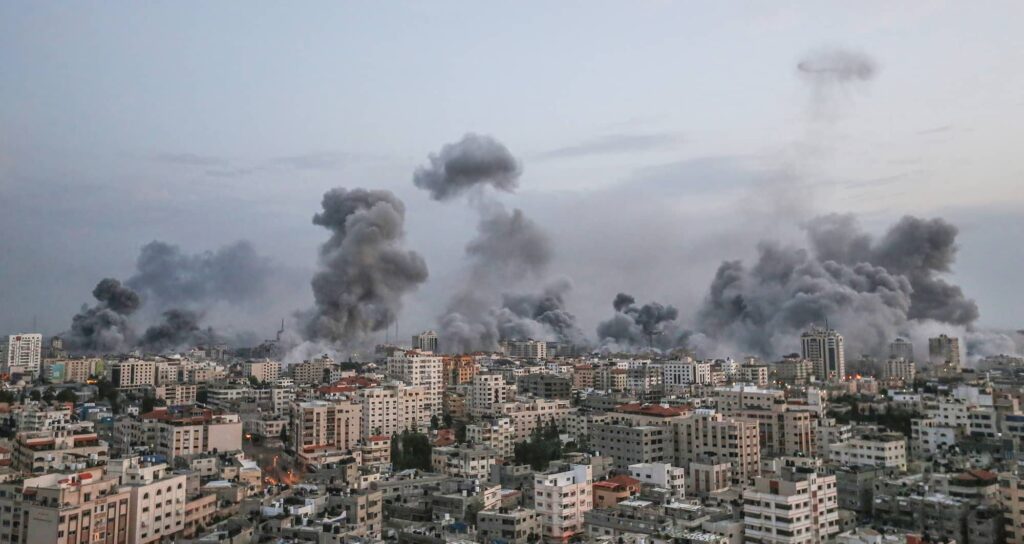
[420,369]
[561,499]
[888,450]
[24,354]
[801,507]
[661,475]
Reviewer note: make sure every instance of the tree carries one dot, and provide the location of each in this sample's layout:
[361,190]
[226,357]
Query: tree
[410,450]
[148,403]
[35,395]
[284,434]
[447,419]
[434,422]
[67,395]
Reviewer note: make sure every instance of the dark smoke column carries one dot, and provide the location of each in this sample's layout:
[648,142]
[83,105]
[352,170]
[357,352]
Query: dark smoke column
[365,270]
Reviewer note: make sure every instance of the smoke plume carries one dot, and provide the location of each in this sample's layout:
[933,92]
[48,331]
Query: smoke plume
[652,325]
[104,327]
[831,74]
[508,250]
[837,66]
[166,277]
[473,161]
[179,329]
[870,290]
[365,270]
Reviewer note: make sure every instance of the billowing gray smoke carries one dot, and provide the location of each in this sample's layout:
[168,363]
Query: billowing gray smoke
[473,161]
[918,249]
[540,315]
[832,74]
[179,329]
[104,327]
[652,325]
[872,291]
[508,249]
[837,66]
[365,270]
[166,277]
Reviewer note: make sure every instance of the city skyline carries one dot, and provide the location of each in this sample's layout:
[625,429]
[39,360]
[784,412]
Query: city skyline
[699,172]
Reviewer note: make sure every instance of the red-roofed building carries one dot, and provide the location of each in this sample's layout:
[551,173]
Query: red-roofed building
[611,492]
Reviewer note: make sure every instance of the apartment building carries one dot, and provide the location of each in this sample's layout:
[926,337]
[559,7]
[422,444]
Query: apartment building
[548,386]
[1011,494]
[527,415]
[458,369]
[561,500]
[900,369]
[486,391]
[799,507]
[176,394]
[784,428]
[883,450]
[630,445]
[497,433]
[686,372]
[661,475]
[390,409]
[312,372]
[320,424]
[794,370]
[709,437]
[80,370]
[157,499]
[75,448]
[84,506]
[421,370]
[609,493]
[755,374]
[464,462]
[510,526]
[41,417]
[183,431]
[24,354]
[133,374]
[264,371]
[583,377]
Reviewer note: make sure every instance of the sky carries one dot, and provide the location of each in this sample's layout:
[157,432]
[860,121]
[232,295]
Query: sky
[656,138]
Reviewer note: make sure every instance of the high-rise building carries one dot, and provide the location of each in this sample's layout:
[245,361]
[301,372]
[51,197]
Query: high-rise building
[318,424]
[824,348]
[901,348]
[561,499]
[420,369]
[264,371]
[801,506]
[525,349]
[425,341]
[944,350]
[24,353]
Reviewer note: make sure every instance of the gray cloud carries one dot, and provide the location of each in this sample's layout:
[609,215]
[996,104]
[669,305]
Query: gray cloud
[179,329]
[871,290]
[651,325]
[365,270]
[473,161]
[104,327]
[840,66]
[167,277]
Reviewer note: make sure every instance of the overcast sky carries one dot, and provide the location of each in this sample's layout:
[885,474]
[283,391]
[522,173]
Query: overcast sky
[657,138]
